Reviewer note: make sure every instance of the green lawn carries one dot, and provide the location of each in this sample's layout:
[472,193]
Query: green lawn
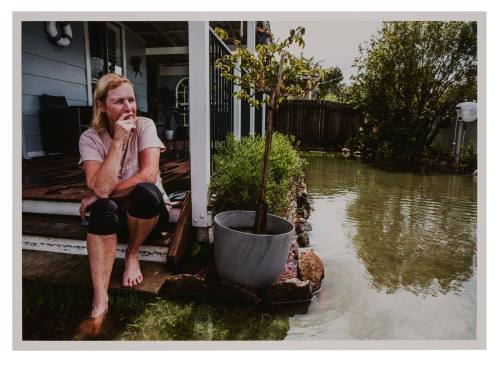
[53,312]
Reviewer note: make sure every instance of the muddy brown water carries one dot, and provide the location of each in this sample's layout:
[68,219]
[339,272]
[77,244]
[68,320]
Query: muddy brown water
[399,251]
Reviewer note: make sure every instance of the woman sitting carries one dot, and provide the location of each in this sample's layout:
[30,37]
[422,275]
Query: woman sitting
[120,155]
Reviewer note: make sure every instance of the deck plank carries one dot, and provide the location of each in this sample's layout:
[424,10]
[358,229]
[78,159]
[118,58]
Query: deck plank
[57,178]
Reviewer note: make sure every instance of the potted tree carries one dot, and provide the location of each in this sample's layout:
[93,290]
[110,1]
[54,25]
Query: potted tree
[251,247]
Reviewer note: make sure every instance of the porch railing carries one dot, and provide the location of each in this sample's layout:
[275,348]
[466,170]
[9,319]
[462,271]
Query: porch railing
[221,94]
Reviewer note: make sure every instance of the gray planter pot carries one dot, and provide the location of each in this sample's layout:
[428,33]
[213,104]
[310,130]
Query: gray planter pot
[252,260]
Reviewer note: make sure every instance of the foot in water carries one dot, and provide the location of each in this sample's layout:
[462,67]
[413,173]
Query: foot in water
[92,326]
[132,274]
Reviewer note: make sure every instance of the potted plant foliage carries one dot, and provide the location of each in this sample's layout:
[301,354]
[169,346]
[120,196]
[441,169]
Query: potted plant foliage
[251,247]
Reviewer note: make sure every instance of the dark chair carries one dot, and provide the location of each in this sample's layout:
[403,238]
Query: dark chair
[181,134]
[61,125]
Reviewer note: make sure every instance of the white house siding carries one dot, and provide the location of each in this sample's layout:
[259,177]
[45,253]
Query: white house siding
[135,47]
[49,70]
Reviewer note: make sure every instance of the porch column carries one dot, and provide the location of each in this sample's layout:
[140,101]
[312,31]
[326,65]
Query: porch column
[251,27]
[237,106]
[199,120]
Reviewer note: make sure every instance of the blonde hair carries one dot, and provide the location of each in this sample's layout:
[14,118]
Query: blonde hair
[107,82]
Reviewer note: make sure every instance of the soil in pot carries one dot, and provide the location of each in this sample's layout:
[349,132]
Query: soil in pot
[250,230]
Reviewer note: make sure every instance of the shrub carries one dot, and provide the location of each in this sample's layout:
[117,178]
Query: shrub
[467,163]
[238,173]
[410,77]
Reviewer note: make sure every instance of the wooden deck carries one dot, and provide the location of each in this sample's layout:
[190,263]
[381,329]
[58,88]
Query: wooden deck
[57,178]
[56,182]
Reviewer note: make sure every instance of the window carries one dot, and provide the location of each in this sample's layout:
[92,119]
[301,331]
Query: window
[105,43]
[182,100]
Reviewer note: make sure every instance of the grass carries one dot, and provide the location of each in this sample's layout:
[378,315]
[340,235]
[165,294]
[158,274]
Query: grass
[53,312]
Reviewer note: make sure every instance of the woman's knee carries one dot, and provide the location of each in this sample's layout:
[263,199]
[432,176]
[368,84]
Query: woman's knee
[104,217]
[145,200]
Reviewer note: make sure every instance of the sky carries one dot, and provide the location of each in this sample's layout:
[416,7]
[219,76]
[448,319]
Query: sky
[336,43]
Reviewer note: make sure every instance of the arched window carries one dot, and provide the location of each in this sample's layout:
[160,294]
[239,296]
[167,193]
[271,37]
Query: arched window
[182,100]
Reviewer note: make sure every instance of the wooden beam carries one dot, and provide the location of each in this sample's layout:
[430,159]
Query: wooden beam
[174,70]
[157,51]
[168,32]
[182,234]
[132,31]
[162,32]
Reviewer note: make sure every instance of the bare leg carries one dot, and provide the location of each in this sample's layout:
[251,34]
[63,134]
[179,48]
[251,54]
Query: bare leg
[101,251]
[139,229]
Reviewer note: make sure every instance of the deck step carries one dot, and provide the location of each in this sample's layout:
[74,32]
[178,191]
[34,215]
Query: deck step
[40,206]
[69,227]
[61,268]
[64,234]
[79,247]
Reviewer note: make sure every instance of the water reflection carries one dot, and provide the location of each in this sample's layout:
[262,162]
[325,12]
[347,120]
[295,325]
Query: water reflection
[412,231]
[399,255]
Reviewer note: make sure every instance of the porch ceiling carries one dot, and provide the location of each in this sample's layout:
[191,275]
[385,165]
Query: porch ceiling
[175,34]
[161,34]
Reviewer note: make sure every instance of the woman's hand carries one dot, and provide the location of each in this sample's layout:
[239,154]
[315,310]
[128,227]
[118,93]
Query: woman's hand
[85,204]
[124,127]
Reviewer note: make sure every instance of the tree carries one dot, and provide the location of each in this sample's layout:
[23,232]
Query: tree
[277,73]
[409,79]
[331,83]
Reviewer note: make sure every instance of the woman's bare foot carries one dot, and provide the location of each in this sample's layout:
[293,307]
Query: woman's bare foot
[132,274]
[93,326]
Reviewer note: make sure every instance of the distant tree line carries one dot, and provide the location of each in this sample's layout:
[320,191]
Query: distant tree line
[409,78]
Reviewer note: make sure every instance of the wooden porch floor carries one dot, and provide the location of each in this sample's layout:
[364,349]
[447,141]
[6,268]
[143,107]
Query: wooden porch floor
[57,178]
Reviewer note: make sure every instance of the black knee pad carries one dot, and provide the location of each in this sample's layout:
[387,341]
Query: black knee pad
[145,201]
[104,217]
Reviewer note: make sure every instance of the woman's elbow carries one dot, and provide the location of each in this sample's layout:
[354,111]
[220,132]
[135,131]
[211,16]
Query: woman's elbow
[151,178]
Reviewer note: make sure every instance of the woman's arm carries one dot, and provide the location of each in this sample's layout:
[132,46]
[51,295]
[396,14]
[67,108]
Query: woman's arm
[102,177]
[149,160]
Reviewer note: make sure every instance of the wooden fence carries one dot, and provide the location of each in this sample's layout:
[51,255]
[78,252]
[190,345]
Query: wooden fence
[318,125]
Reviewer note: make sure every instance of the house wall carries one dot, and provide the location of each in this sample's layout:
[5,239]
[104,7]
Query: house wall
[49,70]
[135,47]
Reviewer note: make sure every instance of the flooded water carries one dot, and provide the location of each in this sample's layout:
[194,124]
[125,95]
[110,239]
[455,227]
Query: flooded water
[399,251]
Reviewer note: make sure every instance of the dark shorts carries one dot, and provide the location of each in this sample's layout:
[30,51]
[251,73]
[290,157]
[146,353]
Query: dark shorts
[109,216]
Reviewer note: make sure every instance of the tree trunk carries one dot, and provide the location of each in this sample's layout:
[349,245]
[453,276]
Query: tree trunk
[261,211]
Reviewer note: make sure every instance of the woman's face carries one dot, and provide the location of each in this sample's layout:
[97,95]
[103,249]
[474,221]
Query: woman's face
[120,100]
